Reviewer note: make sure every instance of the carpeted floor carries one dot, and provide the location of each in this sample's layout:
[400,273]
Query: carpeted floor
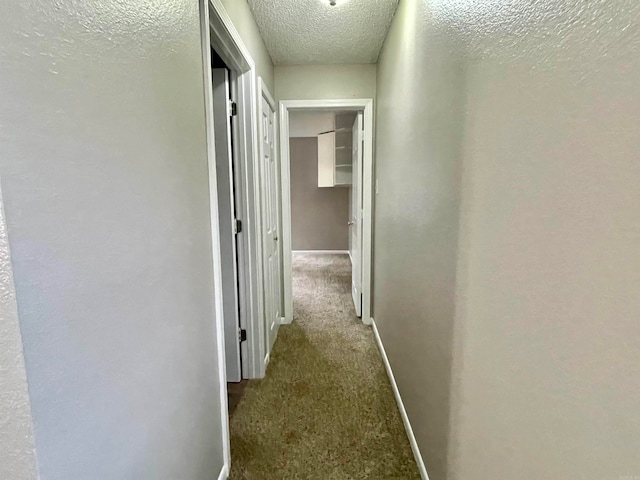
[325,409]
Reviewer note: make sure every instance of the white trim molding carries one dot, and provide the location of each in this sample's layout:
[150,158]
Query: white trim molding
[403,412]
[351,104]
[215,232]
[224,473]
[322,252]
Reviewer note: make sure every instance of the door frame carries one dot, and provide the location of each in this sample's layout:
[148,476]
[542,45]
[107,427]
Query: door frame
[215,235]
[352,104]
[355,220]
[226,193]
[218,31]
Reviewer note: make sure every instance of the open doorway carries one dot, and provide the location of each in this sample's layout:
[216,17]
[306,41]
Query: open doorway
[229,218]
[237,180]
[326,184]
[325,149]
[236,197]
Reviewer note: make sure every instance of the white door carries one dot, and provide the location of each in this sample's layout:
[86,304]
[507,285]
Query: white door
[226,212]
[355,223]
[271,185]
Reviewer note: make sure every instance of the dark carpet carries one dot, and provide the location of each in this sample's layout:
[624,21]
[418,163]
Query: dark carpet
[325,410]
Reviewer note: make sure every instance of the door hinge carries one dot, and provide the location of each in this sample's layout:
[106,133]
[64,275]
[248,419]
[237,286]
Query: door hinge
[233,108]
[237,226]
[242,335]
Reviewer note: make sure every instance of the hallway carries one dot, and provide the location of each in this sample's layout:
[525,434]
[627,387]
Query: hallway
[154,183]
[325,409]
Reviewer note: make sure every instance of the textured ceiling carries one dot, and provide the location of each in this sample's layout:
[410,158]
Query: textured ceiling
[312,31]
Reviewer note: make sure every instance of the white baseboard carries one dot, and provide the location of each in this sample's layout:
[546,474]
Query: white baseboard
[224,473]
[323,252]
[403,412]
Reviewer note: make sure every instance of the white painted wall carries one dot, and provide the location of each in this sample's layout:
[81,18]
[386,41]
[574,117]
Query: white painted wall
[105,182]
[310,124]
[17,455]
[317,82]
[512,336]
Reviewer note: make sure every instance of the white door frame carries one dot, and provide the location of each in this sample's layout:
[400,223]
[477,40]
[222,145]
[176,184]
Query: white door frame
[219,32]
[215,236]
[353,104]
[225,187]
[355,213]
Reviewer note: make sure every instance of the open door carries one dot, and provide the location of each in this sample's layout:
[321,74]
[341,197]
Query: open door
[271,208]
[227,221]
[355,234]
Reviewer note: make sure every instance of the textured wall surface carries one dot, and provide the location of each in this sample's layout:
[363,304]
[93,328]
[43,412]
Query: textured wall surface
[548,383]
[244,22]
[304,123]
[419,123]
[315,32]
[319,216]
[17,455]
[541,380]
[319,82]
[105,182]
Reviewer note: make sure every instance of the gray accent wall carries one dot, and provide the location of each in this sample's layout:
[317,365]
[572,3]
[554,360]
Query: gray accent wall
[507,235]
[319,216]
[105,183]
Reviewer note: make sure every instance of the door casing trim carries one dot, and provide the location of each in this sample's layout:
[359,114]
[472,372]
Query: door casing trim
[226,40]
[354,104]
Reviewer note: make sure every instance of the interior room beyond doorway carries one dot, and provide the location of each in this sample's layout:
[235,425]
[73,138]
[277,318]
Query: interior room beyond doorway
[319,215]
[325,160]
[343,158]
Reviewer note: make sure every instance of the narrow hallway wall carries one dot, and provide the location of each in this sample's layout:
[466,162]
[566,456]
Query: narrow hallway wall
[550,244]
[419,124]
[105,182]
[507,234]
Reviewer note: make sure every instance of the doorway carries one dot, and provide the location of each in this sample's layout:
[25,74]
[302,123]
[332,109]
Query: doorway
[229,216]
[344,161]
[240,204]
[237,213]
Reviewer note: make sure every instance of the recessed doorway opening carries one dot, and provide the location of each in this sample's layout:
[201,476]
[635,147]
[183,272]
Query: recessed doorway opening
[326,148]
